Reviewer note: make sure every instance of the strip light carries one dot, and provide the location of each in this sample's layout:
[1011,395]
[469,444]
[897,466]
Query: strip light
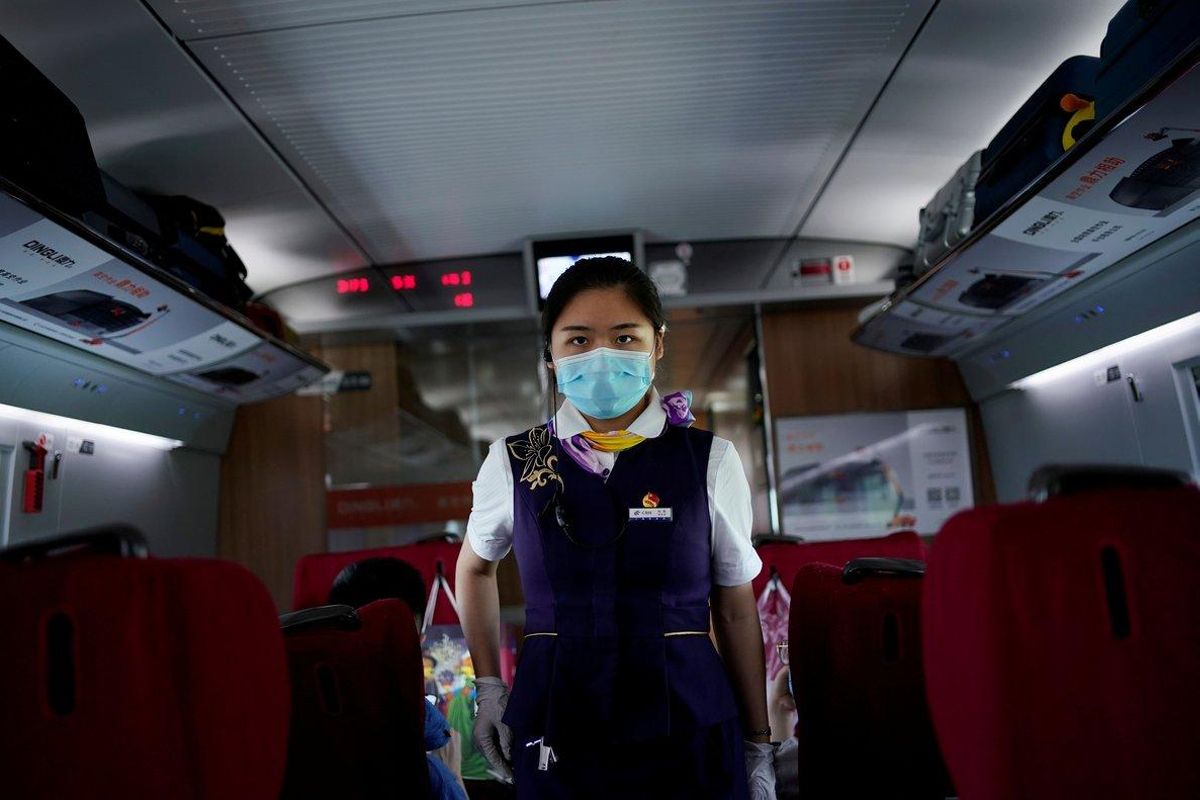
[1115,351]
[78,426]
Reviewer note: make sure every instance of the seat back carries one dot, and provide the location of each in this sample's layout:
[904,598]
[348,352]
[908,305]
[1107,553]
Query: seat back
[855,644]
[1063,645]
[315,573]
[126,676]
[357,705]
[786,557]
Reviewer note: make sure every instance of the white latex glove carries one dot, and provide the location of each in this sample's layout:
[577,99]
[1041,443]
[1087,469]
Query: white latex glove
[760,770]
[493,737]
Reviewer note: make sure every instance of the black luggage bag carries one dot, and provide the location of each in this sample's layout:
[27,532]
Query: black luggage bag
[1143,38]
[196,250]
[125,218]
[44,145]
[1046,126]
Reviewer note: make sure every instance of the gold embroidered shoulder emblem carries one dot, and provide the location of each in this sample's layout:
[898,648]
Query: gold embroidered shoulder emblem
[536,454]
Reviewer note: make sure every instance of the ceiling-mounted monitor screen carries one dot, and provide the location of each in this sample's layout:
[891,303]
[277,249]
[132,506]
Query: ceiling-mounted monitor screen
[549,258]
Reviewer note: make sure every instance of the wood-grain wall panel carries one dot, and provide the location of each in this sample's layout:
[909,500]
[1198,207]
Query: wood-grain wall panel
[273,490]
[363,428]
[380,402]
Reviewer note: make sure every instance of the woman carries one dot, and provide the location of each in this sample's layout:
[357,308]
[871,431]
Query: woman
[631,531]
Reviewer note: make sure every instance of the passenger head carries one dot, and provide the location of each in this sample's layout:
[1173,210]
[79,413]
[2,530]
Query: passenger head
[380,578]
[603,302]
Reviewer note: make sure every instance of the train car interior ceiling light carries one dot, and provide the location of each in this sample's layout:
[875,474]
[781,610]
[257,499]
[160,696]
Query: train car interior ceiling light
[80,427]
[1104,356]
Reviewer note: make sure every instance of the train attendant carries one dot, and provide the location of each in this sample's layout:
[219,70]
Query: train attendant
[631,530]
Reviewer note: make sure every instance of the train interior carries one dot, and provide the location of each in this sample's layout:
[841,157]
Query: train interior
[270,282]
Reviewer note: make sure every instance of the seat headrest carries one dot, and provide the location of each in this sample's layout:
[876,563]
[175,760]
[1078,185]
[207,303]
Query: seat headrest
[315,573]
[1060,480]
[116,540]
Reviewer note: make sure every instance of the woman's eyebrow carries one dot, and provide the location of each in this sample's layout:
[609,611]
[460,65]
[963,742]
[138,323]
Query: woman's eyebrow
[624,326]
[575,328]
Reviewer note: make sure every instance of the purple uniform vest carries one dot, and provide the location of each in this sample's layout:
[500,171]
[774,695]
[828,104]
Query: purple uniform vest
[625,599]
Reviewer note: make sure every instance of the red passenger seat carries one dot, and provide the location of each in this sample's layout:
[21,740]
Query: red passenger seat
[1062,648]
[127,676]
[855,643]
[787,556]
[358,712]
[315,573]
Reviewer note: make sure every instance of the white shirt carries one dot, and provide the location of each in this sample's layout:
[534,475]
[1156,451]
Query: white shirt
[734,560]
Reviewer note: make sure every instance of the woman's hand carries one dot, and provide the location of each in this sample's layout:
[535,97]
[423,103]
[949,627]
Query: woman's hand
[492,736]
[479,604]
[739,640]
[760,770]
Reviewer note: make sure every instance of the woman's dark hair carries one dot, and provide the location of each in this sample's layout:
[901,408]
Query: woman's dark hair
[602,273]
[379,578]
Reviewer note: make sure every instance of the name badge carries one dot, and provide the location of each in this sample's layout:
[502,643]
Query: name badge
[655,514]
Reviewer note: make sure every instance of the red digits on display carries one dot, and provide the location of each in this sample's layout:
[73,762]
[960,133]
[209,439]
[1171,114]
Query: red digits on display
[353,285]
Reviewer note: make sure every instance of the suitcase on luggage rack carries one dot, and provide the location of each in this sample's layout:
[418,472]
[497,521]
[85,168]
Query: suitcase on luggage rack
[1142,39]
[196,250]
[948,217]
[1047,125]
[44,145]
[125,218]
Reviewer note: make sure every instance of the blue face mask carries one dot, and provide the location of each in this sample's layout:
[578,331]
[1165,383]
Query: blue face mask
[604,383]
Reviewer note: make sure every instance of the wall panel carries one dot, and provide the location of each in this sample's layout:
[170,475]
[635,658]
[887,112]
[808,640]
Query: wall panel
[813,368]
[170,496]
[273,490]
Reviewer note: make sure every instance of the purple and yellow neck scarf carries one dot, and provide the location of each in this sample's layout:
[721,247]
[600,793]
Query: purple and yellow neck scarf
[583,447]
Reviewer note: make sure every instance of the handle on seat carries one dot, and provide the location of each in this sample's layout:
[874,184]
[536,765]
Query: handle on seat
[338,618]
[122,541]
[860,568]
[1063,480]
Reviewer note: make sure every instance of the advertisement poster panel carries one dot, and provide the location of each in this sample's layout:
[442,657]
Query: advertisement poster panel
[58,285]
[923,330]
[850,476]
[263,372]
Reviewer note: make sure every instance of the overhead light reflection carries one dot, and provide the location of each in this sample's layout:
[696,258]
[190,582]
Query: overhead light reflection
[1105,355]
[82,427]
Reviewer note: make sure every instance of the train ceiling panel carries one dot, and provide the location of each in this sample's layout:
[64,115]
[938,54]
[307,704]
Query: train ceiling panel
[433,135]
[205,19]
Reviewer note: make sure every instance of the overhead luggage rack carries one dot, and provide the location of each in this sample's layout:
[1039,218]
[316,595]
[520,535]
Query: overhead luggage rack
[64,281]
[1130,181]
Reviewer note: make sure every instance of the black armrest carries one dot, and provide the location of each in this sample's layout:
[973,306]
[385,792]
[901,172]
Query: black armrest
[1062,480]
[860,568]
[114,540]
[339,618]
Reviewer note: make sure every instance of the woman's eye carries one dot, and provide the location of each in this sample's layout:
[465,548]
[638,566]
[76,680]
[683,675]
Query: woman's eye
[578,341]
[625,338]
